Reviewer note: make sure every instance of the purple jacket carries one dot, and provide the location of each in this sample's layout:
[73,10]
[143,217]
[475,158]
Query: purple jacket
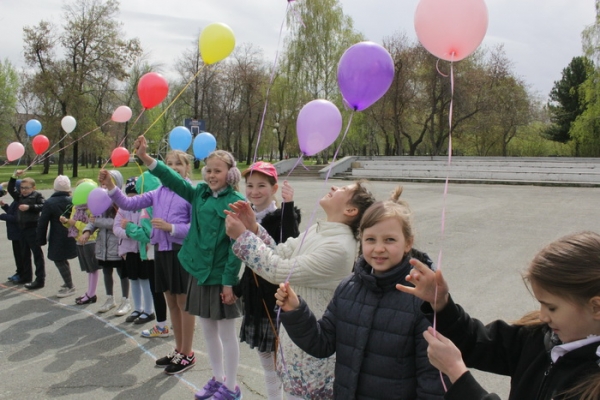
[126,244]
[166,205]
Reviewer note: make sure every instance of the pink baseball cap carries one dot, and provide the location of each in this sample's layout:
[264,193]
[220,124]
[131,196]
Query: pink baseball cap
[263,168]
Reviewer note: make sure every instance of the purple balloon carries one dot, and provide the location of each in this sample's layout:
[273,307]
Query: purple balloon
[318,125]
[365,73]
[98,201]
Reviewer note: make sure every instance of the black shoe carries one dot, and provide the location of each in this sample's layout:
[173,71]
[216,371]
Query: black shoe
[34,285]
[180,363]
[21,281]
[133,316]
[142,319]
[86,300]
[166,360]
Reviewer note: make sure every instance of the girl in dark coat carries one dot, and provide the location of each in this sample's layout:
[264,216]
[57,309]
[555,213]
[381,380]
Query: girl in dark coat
[553,353]
[13,232]
[374,330]
[61,247]
[258,325]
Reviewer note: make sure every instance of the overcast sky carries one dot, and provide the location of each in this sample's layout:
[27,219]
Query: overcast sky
[540,36]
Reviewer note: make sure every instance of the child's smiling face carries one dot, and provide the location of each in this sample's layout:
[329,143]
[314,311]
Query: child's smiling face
[216,173]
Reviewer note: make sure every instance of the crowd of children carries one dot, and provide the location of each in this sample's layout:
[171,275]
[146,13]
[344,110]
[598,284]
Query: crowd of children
[354,297]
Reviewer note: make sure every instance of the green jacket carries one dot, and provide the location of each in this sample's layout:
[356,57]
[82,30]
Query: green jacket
[141,232]
[206,252]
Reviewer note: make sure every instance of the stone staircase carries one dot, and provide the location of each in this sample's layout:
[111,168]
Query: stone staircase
[506,170]
[304,172]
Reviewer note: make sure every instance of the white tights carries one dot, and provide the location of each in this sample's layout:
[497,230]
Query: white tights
[223,349]
[272,381]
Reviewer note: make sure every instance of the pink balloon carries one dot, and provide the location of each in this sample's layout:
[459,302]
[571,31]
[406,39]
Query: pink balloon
[319,124]
[451,29]
[14,151]
[98,201]
[121,114]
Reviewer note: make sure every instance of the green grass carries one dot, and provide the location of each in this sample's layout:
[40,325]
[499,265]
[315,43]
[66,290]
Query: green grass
[46,181]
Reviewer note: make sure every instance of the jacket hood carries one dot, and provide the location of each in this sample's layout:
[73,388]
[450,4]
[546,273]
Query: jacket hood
[146,183]
[118,178]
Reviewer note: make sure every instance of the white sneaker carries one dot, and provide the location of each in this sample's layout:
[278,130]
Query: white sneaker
[124,307]
[65,292]
[108,305]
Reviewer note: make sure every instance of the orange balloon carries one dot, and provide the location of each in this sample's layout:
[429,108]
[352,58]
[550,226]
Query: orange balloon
[40,144]
[119,156]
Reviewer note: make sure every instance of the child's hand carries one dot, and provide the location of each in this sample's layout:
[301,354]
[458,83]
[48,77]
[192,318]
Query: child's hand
[227,296]
[425,281]
[245,213]
[286,297]
[104,178]
[19,172]
[23,207]
[124,223]
[233,226]
[287,192]
[141,145]
[63,219]
[444,355]
[92,219]
[85,236]
[159,223]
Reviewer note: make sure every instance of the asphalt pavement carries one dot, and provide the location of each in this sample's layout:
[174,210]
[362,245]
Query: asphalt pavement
[51,348]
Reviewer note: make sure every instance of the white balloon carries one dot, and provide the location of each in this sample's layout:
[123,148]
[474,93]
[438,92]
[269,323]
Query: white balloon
[68,123]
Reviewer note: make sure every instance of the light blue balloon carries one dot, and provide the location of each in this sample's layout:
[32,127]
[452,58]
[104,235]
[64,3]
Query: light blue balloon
[204,144]
[180,138]
[33,127]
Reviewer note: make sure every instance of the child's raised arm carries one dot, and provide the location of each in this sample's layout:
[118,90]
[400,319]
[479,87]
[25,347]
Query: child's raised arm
[286,297]
[140,146]
[425,281]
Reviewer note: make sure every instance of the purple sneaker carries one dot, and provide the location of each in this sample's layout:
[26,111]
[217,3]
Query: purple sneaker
[225,394]
[208,390]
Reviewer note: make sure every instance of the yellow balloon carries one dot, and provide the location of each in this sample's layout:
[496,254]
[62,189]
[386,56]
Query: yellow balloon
[216,42]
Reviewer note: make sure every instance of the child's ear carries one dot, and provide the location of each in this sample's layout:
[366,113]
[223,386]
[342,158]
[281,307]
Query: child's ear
[351,211]
[595,303]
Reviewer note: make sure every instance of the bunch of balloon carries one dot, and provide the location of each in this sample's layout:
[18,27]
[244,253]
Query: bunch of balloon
[14,151]
[180,138]
[365,73]
[451,29]
[152,89]
[121,114]
[33,127]
[204,144]
[216,42]
[68,123]
[119,156]
[40,144]
[318,125]
[82,192]
[98,201]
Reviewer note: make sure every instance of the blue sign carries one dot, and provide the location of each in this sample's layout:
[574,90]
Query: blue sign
[195,126]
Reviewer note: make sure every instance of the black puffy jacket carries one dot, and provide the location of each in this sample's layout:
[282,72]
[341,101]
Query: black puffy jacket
[376,333]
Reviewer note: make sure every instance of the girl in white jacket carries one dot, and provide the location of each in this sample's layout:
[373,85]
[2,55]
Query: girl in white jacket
[315,263]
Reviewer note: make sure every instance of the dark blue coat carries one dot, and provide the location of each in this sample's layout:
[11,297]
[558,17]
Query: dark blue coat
[13,232]
[376,333]
[60,245]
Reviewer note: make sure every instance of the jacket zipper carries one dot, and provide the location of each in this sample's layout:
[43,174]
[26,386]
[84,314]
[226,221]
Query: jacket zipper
[543,384]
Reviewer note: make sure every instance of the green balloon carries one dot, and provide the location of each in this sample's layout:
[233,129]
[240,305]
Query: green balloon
[82,191]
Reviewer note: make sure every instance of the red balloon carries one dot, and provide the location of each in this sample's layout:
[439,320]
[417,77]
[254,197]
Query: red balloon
[152,89]
[40,144]
[119,156]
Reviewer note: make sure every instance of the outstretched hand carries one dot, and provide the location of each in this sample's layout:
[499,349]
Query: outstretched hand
[141,145]
[444,355]
[233,226]
[244,212]
[425,281]
[104,178]
[286,297]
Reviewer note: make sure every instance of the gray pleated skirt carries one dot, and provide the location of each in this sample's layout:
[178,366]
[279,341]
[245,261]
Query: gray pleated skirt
[205,302]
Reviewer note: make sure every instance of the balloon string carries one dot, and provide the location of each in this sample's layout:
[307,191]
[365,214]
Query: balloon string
[296,14]
[310,222]
[174,100]
[125,137]
[271,79]
[444,198]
